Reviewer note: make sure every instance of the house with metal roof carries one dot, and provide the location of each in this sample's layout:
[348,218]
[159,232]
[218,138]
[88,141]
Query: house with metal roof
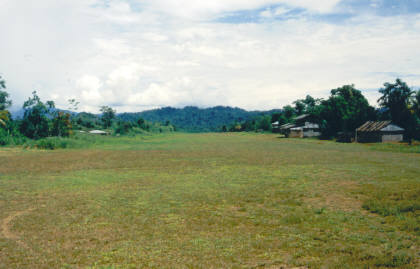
[379,131]
[302,127]
[275,127]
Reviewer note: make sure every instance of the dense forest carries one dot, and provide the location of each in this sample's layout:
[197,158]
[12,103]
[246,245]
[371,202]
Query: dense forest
[194,119]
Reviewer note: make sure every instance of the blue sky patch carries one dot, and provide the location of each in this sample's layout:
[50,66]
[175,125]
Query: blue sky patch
[262,15]
[381,7]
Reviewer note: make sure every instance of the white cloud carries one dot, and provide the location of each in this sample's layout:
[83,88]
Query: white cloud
[155,37]
[137,59]
[89,87]
[198,10]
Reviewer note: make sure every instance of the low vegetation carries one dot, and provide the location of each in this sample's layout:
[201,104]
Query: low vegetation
[144,196]
[227,200]
[337,117]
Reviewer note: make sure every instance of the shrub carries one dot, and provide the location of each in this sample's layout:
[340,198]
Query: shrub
[13,138]
[4,137]
[49,143]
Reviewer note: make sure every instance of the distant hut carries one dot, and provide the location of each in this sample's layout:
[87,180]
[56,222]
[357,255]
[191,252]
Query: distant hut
[303,126]
[379,131]
[285,128]
[275,126]
[98,132]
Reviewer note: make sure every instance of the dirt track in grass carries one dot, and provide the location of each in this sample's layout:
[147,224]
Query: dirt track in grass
[6,226]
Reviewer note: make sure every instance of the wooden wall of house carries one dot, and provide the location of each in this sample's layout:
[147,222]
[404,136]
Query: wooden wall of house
[373,137]
[369,137]
[296,134]
[392,137]
[311,133]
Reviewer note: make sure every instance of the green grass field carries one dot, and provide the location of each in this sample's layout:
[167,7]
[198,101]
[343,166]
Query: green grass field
[210,201]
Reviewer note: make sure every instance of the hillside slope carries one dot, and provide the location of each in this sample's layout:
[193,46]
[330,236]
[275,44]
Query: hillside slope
[195,119]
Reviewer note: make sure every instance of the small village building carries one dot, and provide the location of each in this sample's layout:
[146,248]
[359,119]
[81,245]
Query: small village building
[303,126]
[296,132]
[98,132]
[275,127]
[379,131]
[285,128]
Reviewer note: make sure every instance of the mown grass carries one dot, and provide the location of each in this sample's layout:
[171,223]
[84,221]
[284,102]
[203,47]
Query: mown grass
[210,201]
[396,147]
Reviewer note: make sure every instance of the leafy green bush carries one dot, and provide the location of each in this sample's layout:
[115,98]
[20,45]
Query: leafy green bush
[50,143]
[4,137]
[7,138]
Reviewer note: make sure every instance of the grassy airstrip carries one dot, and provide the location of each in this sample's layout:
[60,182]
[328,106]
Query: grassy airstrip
[210,201]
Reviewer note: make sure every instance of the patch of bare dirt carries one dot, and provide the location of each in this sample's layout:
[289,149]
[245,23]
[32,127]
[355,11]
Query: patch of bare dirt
[6,225]
[335,195]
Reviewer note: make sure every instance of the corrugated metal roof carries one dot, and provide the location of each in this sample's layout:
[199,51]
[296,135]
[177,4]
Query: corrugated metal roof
[373,126]
[302,117]
[97,132]
[392,128]
[287,126]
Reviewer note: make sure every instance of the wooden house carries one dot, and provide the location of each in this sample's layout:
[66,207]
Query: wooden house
[302,127]
[379,131]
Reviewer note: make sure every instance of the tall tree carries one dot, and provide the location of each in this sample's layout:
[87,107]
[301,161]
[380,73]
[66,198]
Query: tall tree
[5,103]
[73,104]
[278,117]
[307,105]
[289,113]
[417,115]
[417,104]
[35,119]
[398,100]
[344,111]
[61,124]
[108,114]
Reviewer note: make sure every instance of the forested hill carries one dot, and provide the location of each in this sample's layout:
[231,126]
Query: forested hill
[195,119]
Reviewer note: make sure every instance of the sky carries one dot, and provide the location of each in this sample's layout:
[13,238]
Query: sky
[136,55]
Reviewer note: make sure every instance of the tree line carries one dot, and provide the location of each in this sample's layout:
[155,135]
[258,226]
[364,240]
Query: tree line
[347,109]
[42,119]
[194,119]
[341,113]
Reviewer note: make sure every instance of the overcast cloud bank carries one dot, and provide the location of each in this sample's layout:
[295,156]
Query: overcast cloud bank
[255,54]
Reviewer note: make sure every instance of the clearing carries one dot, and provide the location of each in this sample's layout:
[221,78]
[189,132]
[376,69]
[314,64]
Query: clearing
[236,200]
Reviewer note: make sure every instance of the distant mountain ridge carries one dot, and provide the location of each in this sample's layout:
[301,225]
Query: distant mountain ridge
[189,118]
[19,113]
[196,119]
